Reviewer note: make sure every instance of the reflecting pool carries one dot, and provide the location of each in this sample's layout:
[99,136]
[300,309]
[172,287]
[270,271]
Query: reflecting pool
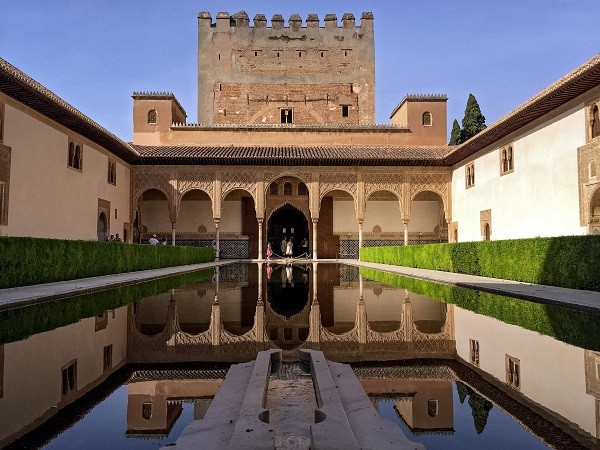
[455,368]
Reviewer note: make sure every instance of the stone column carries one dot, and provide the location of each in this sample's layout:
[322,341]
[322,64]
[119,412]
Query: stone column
[217,244]
[259,316]
[361,316]
[314,238]
[405,232]
[360,238]
[172,233]
[407,318]
[260,239]
[314,319]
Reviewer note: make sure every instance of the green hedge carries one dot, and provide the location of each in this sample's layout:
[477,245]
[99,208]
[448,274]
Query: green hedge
[573,327]
[26,261]
[20,323]
[567,261]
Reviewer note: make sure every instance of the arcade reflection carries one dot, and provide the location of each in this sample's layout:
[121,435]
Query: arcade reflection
[250,308]
[429,364]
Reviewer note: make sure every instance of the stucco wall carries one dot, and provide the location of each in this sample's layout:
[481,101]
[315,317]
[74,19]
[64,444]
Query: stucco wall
[552,372]
[539,198]
[49,199]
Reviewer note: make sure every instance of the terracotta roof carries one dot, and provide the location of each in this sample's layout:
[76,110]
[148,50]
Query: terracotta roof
[575,83]
[292,155]
[29,92]
[419,98]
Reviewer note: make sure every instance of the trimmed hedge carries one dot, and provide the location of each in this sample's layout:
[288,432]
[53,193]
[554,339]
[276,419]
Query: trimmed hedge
[20,323]
[27,261]
[573,327]
[566,261]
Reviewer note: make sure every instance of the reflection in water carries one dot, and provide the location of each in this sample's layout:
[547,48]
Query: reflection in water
[248,308]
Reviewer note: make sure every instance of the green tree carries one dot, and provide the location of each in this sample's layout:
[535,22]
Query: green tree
[480,409]
[455,136]
[473,121]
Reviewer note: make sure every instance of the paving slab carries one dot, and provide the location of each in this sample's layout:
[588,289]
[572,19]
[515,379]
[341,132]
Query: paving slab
[577,299]
[26,295]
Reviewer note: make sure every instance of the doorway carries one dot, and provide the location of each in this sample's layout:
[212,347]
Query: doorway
[288,223]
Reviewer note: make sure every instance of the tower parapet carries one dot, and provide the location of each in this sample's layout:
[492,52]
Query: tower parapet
[318,71]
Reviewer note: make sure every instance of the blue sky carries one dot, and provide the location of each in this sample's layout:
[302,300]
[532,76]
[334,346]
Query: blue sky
[94,54]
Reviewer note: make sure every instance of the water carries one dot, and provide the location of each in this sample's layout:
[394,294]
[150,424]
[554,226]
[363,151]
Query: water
[129,368]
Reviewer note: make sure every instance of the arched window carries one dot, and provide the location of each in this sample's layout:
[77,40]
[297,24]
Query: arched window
[302,189]
[287,188]
[595,122]
[592,168]
[486,232]
[75,156]
[509,158]
[504,162]
[273,189]
[152,116]
[426,119]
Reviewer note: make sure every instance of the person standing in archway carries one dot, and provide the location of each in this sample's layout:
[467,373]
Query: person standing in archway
[289,251]
[269,251]
[283,246]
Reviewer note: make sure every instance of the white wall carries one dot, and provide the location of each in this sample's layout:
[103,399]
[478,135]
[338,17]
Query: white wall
[540,198]
[552,372]
[48,199]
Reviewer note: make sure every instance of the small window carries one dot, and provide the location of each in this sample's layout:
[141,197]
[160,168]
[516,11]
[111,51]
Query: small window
[115,213]
[513,372]
[302,189]
[432,408]
[486,232]
[273,189]
[592,168]
[474,352]
[345,110]
[345,53]
[152,117]
[287,115]
[147,410]
[3,203]
[595,122]
[1,122]
[506,160]
[470,175]
[107,358]
[69,378]
[287,188]
[112,173]
[255,53]
[426,119]
[300,54]
[322,54]
[75,156]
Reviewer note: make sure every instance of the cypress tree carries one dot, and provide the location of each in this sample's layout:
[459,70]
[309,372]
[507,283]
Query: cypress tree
[474,121]
[455,136]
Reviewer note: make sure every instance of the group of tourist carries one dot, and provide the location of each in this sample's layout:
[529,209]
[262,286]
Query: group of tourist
[154,241]
[287,247]
[114,238]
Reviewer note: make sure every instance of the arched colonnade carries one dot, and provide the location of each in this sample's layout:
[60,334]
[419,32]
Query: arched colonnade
[361,194]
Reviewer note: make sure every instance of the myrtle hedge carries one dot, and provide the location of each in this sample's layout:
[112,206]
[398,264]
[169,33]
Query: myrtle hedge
[566,261]
[573,327]
[19,323]
[27,261]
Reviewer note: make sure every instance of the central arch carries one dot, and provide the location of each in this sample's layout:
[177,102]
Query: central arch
[290,223]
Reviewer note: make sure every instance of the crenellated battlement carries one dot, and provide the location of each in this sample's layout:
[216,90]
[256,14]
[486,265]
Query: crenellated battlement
[241,19]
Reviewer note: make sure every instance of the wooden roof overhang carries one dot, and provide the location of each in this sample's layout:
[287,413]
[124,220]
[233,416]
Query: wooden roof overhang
[29,92]
[569,87]
[291,156]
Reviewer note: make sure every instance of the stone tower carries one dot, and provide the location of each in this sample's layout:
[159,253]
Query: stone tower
[295,74]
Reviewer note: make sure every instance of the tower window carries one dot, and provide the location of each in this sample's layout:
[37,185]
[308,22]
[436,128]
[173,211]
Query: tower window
[152,116]
[287,115]
[69,378]
[273,189]
[345,110]
[595,122]
[470,175]
[426,119]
